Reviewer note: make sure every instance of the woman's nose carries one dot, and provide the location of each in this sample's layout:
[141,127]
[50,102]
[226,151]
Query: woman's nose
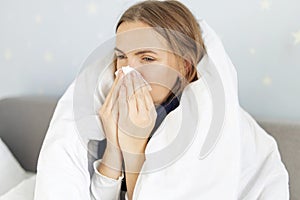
[132,62]
[129,59]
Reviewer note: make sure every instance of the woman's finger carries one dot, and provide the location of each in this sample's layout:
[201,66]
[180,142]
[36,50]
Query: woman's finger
[115,111]
[113,93]
[138,88]
[130,92]
[146,94]
[122,101]
[148,99]
[149,102]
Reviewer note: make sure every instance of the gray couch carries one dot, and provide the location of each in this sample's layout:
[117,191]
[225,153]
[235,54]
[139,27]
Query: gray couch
[24,122]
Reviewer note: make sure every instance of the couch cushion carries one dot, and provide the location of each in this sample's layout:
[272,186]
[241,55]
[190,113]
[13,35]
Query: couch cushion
[23,125]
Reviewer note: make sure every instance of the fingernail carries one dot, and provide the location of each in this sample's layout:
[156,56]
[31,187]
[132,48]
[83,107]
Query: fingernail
[121,72]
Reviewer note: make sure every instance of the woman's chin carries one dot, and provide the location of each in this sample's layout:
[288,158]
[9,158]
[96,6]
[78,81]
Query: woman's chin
[158,101]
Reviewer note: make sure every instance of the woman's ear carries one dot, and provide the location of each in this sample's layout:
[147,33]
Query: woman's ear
[187,65]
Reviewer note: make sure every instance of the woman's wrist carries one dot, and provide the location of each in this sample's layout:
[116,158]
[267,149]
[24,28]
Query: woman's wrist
[113,149]
[133,161]
[133,145]
[111,164]
[113,155]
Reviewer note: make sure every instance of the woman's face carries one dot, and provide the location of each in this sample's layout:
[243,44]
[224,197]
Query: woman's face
[140,47]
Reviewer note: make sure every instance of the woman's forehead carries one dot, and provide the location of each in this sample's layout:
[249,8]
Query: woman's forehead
[140,38]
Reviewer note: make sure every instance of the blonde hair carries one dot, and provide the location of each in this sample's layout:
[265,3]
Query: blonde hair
[171,15]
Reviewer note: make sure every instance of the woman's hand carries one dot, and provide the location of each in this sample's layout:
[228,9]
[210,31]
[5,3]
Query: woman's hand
[109,113]
[137,114]
[111,164]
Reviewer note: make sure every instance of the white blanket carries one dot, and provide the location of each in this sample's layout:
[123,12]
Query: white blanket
[24,190]
[207,148]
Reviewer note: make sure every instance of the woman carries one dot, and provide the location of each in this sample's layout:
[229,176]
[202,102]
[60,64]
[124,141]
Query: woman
[165,48]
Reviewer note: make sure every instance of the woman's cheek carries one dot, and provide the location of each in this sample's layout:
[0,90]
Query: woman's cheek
[161,79]
[158,93]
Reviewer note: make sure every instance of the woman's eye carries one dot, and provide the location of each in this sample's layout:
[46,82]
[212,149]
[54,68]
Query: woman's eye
[120,56]
[148,59]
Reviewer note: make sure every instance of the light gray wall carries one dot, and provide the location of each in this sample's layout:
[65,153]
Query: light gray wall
[43,43]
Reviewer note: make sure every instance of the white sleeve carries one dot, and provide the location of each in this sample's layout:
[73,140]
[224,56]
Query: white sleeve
[103,187]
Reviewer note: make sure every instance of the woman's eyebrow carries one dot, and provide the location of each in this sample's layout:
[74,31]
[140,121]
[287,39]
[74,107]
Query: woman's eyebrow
[116,49]
[144,51]
[139,52]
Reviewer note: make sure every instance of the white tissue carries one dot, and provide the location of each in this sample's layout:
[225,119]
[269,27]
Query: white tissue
[127,69]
